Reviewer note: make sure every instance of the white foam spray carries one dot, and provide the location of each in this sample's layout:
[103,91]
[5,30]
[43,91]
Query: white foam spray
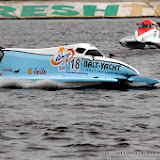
[41,84]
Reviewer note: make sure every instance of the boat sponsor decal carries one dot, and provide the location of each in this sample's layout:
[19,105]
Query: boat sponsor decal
[80,73]
[29,71]
[61,68]
[101,65]
[37,71]
[155,33]
[7,70]
[63,55]
[10,70]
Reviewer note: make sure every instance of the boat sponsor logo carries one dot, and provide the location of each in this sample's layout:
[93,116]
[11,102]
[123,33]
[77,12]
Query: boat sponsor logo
[63,55]
[7,70]
[10,70]
[37,71]
[101,66]
[30,71]
[61,68]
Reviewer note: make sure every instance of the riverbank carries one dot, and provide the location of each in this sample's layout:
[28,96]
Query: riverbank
[109,1]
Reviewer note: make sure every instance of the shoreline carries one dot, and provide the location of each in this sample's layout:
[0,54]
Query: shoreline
[106,1]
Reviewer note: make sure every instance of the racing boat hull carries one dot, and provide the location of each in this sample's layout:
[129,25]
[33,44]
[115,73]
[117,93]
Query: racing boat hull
[65,65]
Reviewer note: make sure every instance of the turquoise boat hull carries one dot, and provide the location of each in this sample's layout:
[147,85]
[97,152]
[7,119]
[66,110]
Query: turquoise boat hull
[66,66]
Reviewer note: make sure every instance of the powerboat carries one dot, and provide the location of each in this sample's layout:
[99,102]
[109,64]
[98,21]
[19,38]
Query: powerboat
[147,35]
[76,65]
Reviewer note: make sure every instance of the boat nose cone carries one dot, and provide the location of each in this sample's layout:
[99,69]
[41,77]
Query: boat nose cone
[136,73]
[123,42]
[132,71]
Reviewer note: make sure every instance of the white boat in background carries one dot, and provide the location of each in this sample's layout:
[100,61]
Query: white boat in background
[147,35]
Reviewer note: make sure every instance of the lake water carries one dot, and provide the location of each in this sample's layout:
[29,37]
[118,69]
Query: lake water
[44,122]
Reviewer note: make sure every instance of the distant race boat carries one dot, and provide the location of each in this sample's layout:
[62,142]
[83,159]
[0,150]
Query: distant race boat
[148,34]
[76,65]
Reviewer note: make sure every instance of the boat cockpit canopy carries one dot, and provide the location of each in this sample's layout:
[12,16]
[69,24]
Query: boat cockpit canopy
[80,50]
[94,52]
[90,52]
[148,23]
[147,26]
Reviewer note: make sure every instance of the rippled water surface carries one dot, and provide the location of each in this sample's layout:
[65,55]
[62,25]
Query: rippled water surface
[37,123]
